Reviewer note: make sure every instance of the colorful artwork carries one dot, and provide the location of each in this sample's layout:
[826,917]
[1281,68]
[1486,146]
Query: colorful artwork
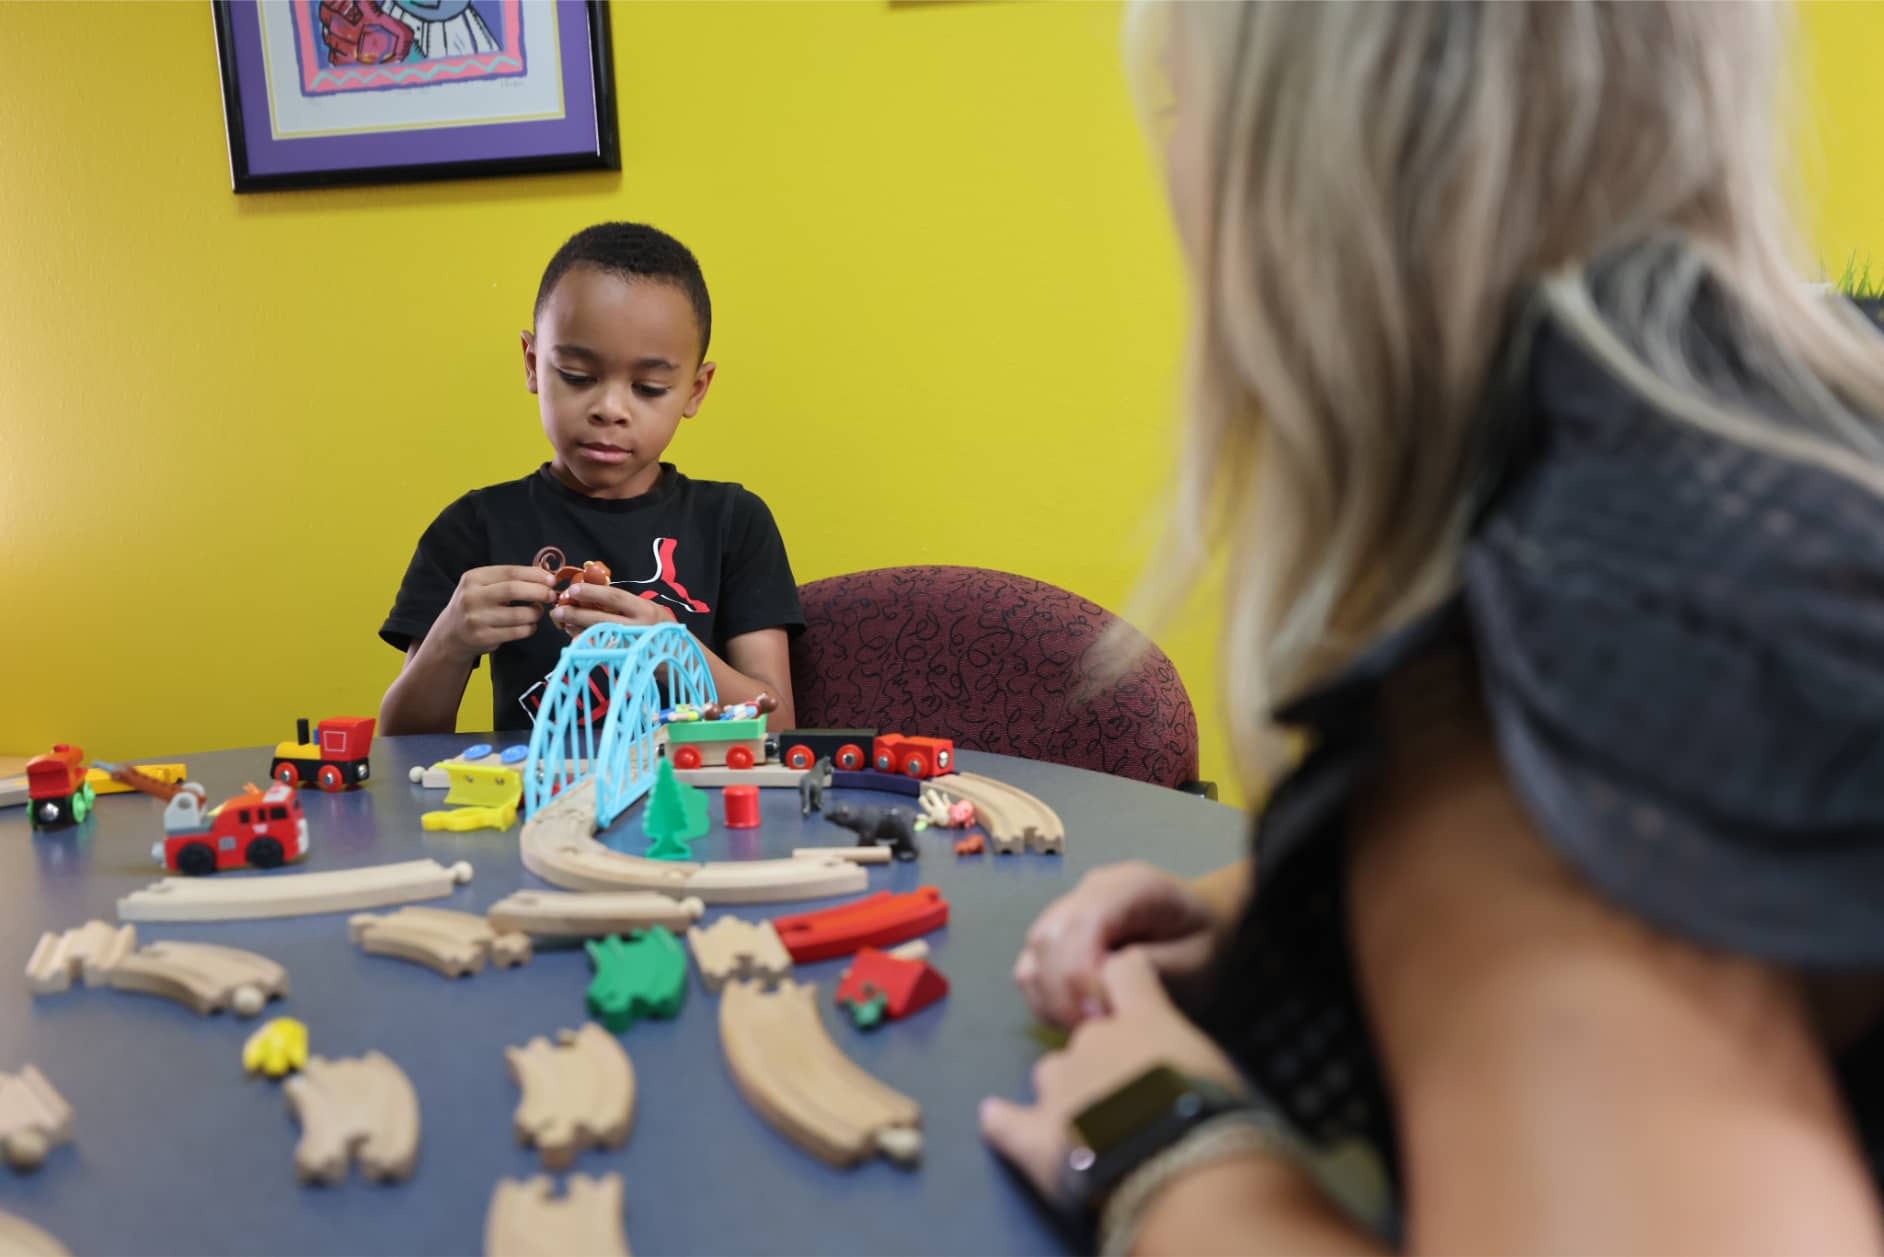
[367,91]
[380,45]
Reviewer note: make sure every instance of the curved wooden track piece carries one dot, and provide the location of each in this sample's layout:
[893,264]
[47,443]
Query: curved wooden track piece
[789,1070]
[20,1238]
[578,1092]
[205,977]
[734,948]
[231,898]
[451,943]
[559,846]
[84,953]
[1012,817]
[360,1108]
[525,1220]
[34,1119]
[856,855]
[556,914]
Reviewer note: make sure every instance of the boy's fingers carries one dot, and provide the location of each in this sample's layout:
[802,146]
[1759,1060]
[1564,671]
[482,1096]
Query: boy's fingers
[511,617]
[515,572]
[521,591]
[1129,981]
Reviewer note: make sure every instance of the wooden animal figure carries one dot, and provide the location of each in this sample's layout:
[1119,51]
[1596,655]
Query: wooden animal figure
[812,785]
[894,825]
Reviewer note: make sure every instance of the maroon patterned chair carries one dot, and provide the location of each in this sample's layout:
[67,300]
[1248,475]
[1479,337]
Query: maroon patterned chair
[995,661]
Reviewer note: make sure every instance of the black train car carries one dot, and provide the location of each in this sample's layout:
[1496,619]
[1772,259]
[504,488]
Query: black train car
[848,749]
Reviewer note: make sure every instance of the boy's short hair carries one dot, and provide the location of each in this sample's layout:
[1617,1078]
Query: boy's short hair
[632,251]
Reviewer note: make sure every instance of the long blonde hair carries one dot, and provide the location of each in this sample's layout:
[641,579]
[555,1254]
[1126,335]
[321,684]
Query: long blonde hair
[1374,185]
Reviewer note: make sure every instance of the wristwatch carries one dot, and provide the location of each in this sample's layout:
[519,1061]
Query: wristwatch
[1121,1131]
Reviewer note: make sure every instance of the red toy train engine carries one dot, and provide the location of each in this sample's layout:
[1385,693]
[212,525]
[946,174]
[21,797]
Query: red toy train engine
[338,760]
[56,788]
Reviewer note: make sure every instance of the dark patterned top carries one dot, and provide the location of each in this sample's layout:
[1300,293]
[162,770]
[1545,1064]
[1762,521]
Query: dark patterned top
[1680,645]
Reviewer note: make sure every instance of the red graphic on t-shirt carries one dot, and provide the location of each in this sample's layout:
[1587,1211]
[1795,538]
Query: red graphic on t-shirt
[667,574]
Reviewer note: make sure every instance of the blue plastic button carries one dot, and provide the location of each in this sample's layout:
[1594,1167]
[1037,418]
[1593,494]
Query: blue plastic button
[476,752]
[513,755]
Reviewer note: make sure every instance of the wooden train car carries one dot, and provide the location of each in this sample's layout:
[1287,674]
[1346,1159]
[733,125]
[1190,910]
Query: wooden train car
[734,743]
[847,749]
[56,790]
[337,761]
[913,757]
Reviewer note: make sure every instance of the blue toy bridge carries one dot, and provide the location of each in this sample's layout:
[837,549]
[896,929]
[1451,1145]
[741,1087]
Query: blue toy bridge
[600,710]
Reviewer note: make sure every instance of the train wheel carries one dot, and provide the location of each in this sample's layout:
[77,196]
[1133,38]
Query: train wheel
[196,859]
[800,757]
[82,803]
[330,778]
[50,812]
[739,757]
[850,757]
[286,775]
[687,757]
[266,853]
[915,766]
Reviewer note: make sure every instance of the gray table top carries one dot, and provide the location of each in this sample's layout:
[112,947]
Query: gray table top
[175,1151]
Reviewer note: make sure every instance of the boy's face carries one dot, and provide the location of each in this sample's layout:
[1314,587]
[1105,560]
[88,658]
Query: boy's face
[615,366]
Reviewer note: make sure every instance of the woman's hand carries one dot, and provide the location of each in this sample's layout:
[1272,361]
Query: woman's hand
[1104,1053]
[1112,907]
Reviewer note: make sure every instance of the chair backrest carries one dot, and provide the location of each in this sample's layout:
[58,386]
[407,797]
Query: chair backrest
[995,661]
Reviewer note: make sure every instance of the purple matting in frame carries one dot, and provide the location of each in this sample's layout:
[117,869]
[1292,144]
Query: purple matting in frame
[575,133]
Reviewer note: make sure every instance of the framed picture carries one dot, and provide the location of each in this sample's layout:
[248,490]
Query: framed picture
[324,92]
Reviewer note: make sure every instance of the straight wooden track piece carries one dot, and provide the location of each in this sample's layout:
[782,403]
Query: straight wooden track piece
[527,1220]
[359,1108]
[202,976]
[557,914]
[451,943]
[20,1238]
[856,855]
[765,776]
[1012,817]
[34,1118]
[85,953]
[578,1092]
[558,845]
[788,1069]
[734,948]
[231,898]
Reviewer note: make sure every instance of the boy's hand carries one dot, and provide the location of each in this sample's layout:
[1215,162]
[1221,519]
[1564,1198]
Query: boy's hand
[582,605]
[491,606]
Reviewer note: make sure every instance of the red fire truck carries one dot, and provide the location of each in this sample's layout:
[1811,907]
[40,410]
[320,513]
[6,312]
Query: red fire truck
[261,828]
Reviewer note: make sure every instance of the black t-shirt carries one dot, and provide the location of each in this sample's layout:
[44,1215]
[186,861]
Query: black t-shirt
[706,550]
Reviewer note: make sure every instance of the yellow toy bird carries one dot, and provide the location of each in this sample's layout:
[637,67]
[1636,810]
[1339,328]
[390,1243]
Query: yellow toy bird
[278,1048]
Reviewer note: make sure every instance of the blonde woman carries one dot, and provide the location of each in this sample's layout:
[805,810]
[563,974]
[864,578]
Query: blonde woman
[1552,498]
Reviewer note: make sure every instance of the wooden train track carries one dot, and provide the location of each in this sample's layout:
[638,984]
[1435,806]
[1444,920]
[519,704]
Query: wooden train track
[554,914]
[202,976]
[1013,818]
[526,1220]
[734,948]
[34,1119]
[451,943]
[559,846]
[231,898]
[362,1107]
[20,1238]
[578,1092]
[788,1069]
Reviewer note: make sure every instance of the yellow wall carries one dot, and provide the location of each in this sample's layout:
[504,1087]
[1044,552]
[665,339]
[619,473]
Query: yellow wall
[946,302]
[1841,46]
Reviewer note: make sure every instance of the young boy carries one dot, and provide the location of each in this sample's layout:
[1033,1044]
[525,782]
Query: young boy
[617,359]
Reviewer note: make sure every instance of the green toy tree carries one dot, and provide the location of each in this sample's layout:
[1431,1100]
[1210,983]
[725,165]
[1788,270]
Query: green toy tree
[676,815]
